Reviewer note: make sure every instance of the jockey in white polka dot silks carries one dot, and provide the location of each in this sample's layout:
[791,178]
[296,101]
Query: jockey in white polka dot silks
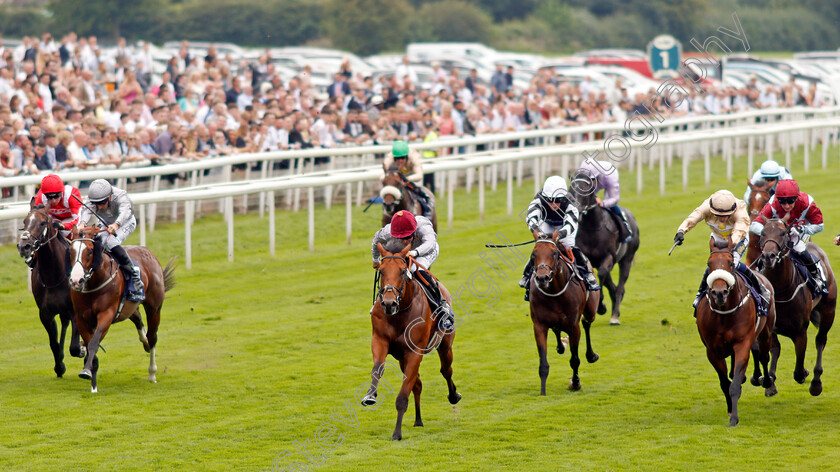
[727,217]
[604,176]
[549,211]
[805,219]
[115,213]
[417,231]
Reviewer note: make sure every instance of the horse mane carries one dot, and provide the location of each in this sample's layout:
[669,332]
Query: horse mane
[97,254]
[394,167]
[721,244]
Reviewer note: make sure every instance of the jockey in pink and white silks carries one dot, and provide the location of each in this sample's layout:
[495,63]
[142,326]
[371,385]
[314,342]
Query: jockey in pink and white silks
[604,176]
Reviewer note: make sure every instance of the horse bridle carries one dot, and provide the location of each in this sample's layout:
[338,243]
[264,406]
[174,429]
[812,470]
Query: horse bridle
[398,292]
[553,268]
[728,289]
[783,249]
[755,212]
[37,243]
[89,273]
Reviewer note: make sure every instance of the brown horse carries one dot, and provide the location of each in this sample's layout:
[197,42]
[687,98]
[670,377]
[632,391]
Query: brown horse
[98,286]
[730,326]
[795,304]
[390,204]
[405,327]
[41,242]
[558,299]
[759,196]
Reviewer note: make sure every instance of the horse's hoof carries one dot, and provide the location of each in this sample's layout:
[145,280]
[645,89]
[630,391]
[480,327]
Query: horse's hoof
[86,374]
[80,352]
[396,437]
[60,370]
[602,309]
[152,379]
[804,376]
[454,398]
[369,400]
[756,381]
[816,388]
[93,390]
[593,358]
[771,391]
[574,386]
[614,321]
[733,422]
[418,424]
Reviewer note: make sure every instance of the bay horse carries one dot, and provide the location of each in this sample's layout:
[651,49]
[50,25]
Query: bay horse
[405,327]
[558,299]
[795,304]
[98,286]
[759,196]
[730,326]
[42,242]
[390,205]
[599,238]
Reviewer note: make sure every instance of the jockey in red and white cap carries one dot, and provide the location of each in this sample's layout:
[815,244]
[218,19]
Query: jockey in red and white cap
[804,218]
[64,202]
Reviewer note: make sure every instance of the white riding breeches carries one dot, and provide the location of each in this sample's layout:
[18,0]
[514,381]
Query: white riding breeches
[428,259]
[122,233]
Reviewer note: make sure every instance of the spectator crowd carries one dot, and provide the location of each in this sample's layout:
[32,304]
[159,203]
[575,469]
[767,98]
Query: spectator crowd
[68,104]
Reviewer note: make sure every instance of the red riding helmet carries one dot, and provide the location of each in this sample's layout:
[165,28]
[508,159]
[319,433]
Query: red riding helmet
[52,184]
[787,188]
[403,224]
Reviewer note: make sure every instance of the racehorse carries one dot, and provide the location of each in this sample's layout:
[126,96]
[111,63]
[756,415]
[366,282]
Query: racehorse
[98,286]
[730,326]
[795,304]
[558,299]
[405,327]
[41,240]
[759,196]
[406,201]
[599,238]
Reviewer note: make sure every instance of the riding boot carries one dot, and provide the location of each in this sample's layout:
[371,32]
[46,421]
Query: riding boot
[526,274]
[439,306]
[762,290]
[624,221]
[135,288]
[700,291]
[813,265]
[585,270]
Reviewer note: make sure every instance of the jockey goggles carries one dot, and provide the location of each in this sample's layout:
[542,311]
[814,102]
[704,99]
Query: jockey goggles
[787,200]
[52,196]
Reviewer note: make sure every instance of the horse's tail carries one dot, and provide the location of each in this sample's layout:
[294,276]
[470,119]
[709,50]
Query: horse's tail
[169,275]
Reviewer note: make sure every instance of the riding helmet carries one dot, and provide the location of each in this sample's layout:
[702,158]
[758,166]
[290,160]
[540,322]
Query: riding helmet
[52,184]
[554,188]
[787,188]
[99,191]
[403,224]
[399,149]
[771,169]
[723,203]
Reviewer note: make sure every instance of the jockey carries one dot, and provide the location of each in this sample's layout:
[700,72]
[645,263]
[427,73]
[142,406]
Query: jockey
[410,164]
[771,172]
[418,232]
[728,218]
[805,219]
[62,201]
[551,210]
[604,176]
[116,214]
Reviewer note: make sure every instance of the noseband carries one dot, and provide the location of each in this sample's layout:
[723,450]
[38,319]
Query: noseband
[783,249]
[90,271]
[557,256]
[36,242]
[398,292]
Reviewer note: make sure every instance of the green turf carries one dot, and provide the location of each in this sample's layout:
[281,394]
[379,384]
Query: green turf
[258,354]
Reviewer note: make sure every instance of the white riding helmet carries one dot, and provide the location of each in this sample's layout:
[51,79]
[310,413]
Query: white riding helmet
[771,169]
[99,191]
[723,203]
[554,188]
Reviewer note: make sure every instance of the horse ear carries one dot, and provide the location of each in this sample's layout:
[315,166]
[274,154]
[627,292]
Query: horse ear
[712,244]
[382,250]
[74,232]
[556,233]
[536,235]
[32,203]
[405,250]
[750,184]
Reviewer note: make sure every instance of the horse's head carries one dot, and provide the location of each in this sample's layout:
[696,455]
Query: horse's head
[759,196]
[86,257]
[774,242]
[38,229]
[546,257]
[391,197]
[721,279]
[582,191]
[393,277]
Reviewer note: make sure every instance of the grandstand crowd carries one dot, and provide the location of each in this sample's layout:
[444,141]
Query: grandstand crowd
[67,104]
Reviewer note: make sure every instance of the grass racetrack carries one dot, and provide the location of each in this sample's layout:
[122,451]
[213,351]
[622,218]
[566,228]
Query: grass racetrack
[255,356]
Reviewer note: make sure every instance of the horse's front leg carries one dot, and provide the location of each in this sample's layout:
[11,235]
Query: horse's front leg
[540,332]
[800,344]
[775,352]
[719,363]
[412,367]
[76,347]
[91,362]
[48,320]
[741,357]
[574,362]
[826,320]
[379,348]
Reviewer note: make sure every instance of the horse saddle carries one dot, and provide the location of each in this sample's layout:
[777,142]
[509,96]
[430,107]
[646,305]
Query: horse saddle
[760,307]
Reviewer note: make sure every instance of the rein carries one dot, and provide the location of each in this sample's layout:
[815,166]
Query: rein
[38,244]
[391,288]
[743,300]
[781,255]
[552,270]
[89,272]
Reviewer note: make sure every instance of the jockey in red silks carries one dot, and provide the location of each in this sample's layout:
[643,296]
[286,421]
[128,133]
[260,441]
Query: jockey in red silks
[804,218]
[64,202]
